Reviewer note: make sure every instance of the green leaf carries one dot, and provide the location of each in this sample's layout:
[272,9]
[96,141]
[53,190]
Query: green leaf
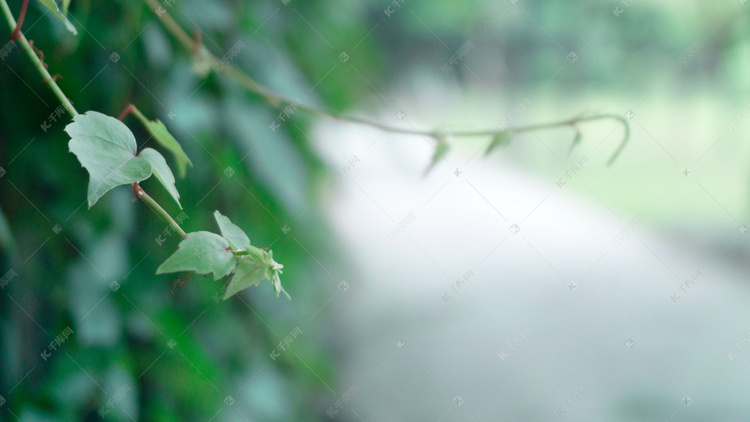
[52,6]
[236,237]
[576,140]
[501,139]
[166,140]
[441,149]
[107,149]
[254,266]
[276,281]
[66,5]
[273,269]
[202,252]
[249,273]
[162,171]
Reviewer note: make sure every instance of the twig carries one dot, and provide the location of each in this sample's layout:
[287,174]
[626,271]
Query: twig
[139,192]
[36,60]
[276,100]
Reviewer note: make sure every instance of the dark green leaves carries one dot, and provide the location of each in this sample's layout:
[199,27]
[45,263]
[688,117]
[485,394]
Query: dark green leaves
[107,149]
[202,252]
[52,6]
[166,140]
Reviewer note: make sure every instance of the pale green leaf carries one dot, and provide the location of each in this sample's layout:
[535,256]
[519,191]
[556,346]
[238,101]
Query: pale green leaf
[66,6]
[576,139]
[273,270]
[165,139]
[255,265]
[236,237]
[203,253]
[501,139]
[249,272]
[276,281]
[107,150]
[162,171]
[441,149]
[52,6]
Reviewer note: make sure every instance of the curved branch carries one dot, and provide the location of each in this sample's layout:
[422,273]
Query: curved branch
[277,100]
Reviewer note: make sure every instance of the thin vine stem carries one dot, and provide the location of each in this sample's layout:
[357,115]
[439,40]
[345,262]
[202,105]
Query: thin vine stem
[19,24]
[36,60]
[137,190]
[276,100]
[140,193]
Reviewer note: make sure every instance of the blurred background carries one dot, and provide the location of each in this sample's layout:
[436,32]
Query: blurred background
[537,283]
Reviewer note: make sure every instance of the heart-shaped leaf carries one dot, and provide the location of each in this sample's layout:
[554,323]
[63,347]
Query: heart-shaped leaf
[107,149]
[166,140]
[52,6]
[202,252]
[236,237]
[162,171]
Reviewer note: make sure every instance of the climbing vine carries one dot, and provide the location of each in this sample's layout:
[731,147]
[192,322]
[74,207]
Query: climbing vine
[107,149]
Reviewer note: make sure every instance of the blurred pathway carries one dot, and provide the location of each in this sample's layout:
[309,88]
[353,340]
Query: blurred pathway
[484,293]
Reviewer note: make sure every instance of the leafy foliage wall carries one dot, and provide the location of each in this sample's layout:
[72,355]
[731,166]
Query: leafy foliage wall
[128,346]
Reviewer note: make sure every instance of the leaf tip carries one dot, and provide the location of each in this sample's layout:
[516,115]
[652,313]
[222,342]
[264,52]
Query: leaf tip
[500,139]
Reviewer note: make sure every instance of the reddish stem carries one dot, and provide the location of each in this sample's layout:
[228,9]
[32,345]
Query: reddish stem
[17,31]
[124,114]
[136,188]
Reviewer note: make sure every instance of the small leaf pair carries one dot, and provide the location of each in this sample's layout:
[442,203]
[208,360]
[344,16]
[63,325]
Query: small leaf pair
[231,253]
[108,151]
